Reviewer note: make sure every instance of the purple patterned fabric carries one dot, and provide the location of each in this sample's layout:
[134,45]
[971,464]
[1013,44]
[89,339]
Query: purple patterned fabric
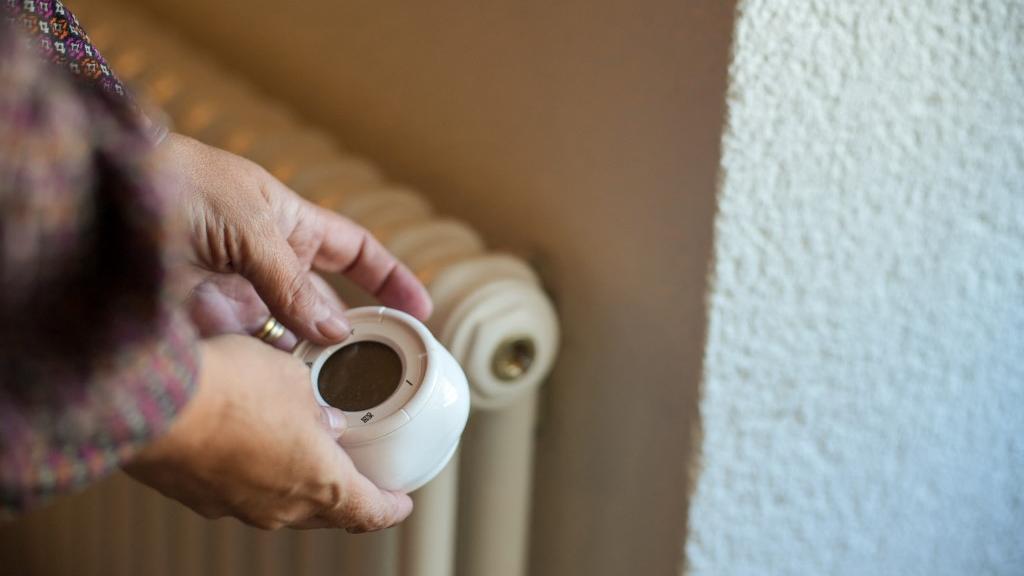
[59,37]
[95,356]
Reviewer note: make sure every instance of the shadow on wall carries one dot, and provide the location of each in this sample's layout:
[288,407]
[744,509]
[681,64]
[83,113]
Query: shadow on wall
[584,135]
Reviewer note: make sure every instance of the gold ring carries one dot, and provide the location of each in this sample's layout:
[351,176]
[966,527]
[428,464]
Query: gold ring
[271,331]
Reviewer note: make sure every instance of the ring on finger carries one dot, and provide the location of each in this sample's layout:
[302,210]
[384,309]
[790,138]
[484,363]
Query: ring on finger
[271,331]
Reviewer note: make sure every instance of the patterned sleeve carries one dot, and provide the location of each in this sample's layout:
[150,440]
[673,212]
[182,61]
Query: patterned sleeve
[58,37]
[95,356]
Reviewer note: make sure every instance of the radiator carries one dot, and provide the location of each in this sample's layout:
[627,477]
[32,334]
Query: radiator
[490,311]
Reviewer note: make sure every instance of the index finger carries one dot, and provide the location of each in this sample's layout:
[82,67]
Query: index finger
[351,250]
[366,508]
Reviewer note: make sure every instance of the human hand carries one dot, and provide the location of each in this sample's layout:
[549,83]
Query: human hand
[228,304]
[241,220]
[254,444]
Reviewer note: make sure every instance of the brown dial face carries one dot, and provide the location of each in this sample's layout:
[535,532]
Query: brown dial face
[360,376]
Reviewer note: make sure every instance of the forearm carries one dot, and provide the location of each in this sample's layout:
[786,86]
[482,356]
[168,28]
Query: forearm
[58,37]
[95,356]
[63,431]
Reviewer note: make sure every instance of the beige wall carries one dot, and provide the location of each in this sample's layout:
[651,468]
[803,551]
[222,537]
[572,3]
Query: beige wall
[583,134]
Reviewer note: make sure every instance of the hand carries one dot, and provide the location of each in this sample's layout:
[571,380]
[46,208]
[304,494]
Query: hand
[243,220]
[228,304]
[254,444]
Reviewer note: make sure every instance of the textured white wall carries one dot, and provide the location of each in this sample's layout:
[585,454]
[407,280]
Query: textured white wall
[863,402]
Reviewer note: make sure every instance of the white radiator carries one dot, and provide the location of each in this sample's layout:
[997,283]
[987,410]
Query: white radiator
[490,311]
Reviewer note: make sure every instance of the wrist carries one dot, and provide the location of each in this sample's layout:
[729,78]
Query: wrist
[191,428]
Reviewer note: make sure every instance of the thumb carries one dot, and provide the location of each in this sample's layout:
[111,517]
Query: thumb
[285,286]
[334,420]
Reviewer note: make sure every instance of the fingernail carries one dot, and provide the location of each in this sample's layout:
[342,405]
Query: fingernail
[333,327]
[335,419]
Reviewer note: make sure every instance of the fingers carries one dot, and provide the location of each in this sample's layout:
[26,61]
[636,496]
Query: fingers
[351,500]
[366,508]
[228,304]
[283,280]
[285,285]
[377,512]
[334,420]
[351,250]
[314,523]
[326,291]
